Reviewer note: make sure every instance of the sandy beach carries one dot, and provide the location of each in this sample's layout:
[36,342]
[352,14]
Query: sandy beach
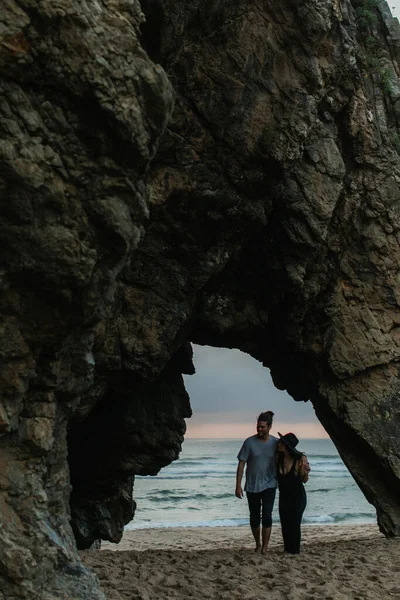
[336,563]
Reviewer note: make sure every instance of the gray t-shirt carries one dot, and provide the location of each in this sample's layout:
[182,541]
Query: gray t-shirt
[260,463]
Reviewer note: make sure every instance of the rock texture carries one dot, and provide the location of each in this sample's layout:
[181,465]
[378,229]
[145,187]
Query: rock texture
[269,196]
[81,110]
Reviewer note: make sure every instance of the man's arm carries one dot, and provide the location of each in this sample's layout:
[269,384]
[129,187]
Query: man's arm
[239,476]
[304,468]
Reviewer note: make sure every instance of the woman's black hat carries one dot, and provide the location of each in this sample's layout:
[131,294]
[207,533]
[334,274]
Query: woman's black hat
[290,441]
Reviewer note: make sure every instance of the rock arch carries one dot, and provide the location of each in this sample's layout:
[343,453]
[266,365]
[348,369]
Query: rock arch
[245,194]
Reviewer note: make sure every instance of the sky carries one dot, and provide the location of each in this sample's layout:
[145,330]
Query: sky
[395,7]
[230,389]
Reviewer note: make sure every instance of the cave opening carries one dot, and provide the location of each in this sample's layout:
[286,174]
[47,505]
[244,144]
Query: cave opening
[227,392]
[230,388]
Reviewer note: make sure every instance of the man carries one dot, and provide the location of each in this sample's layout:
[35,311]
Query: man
[258,453]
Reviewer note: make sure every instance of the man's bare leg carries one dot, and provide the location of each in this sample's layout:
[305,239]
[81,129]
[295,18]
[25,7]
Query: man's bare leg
[256,535]
[266,534]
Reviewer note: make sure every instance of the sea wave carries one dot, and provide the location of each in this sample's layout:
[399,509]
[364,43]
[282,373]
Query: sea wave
[324,519]
[204,473]
[344,517]
[232,460]
[325,457]
[322,468]
[212,467]
[190,475]
[171,496]
[212,523]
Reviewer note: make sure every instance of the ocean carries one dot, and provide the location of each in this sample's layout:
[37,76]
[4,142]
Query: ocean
[198,490]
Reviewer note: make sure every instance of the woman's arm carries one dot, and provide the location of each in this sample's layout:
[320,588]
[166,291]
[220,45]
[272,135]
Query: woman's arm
[304,468]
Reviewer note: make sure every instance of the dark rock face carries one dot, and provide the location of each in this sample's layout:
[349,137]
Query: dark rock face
[81,110]
[135,428]
[269,194]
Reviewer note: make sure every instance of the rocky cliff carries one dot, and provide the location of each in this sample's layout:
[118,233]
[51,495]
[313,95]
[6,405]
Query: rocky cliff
[225,173]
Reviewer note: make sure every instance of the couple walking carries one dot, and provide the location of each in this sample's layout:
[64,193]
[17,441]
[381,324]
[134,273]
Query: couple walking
[270,462]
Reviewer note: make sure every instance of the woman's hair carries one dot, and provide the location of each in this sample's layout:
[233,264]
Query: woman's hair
[266,416]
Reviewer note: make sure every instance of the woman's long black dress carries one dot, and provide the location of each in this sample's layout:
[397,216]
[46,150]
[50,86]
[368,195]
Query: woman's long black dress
[292,502]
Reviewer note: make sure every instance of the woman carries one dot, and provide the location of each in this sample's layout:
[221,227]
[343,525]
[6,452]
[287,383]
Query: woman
[292,470]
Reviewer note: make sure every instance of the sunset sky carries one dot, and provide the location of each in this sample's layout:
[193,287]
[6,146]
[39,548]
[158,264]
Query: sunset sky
[230,389]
